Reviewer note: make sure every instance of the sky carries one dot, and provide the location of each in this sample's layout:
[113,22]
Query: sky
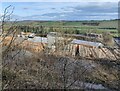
[63,10]
[60,0]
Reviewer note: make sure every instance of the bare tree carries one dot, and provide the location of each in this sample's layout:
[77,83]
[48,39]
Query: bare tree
[9,41]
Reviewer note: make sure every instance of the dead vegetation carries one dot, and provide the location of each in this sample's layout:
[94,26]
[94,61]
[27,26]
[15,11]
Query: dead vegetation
[56,72]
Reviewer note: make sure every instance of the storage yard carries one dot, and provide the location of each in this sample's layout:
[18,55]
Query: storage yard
[75,47]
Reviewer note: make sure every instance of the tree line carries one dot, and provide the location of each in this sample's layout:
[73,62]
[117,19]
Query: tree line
[45,30]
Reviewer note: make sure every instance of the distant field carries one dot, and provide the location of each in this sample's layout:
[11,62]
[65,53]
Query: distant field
[76,27]
[103,24]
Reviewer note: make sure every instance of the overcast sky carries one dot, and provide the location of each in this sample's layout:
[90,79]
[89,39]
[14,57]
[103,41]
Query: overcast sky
[64,10]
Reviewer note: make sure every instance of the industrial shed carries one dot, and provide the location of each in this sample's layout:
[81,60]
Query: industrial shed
[77,47]
[81,47]
[87,49]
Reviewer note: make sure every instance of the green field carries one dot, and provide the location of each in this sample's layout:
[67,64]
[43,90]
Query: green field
[67,27]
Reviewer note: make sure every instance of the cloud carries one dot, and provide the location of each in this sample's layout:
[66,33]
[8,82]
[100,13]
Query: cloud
[68,11]
[51,14]
[25,8]
[86,11]
[98,7]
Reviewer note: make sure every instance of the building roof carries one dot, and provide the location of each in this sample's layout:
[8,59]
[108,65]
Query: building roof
[87,43]
[38,39]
